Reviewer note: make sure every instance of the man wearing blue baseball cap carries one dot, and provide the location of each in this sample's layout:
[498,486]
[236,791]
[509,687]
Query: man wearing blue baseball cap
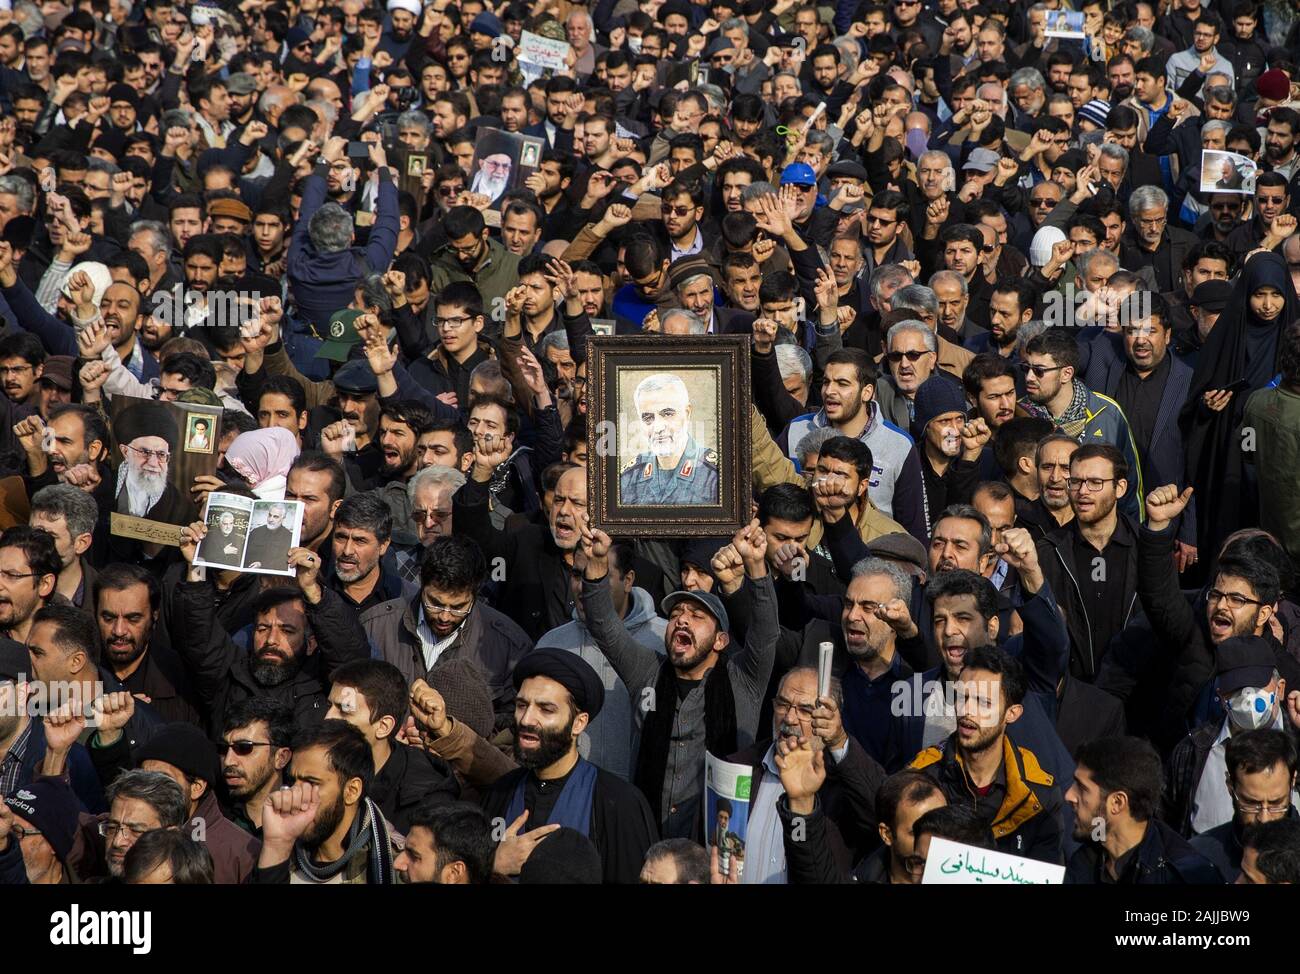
[813,221]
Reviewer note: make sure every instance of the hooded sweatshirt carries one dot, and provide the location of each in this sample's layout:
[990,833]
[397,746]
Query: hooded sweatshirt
[610,741]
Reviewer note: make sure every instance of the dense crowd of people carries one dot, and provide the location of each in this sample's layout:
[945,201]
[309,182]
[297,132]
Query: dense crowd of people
[1025,393]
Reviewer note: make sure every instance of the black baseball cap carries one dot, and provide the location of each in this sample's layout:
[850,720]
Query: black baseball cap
[1211,295]
[1244,661]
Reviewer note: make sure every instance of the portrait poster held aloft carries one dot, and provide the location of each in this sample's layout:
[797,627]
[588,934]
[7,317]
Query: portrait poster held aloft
[249,535]
[1227,172]
[159,448]
[670,422]
[502,162]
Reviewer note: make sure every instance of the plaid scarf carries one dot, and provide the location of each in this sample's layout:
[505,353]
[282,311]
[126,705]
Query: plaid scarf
[1073,420]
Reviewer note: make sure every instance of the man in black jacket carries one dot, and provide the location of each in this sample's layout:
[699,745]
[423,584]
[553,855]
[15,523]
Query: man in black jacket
[300,636]
[1240,602]
[371,695]
[1116,790]
[537,559]
[849,795]
[1091,563]
[901,800]
[1261,779]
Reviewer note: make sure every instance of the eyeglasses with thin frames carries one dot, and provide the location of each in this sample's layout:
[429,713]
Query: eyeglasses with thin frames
[161,456]
[1089,485]
[1234,599]
[456,612]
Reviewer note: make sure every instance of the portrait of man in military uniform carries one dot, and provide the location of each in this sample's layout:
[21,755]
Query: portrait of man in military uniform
[673,469]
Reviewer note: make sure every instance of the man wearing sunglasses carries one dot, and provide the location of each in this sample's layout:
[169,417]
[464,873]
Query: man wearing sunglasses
[184,754]
[254,751]
[1054,392]
[884,218]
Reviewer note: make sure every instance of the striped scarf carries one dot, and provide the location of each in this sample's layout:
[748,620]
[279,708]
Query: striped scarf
[369,832]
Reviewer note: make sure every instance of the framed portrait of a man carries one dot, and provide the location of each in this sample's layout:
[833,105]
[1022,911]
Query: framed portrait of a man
[159,448]
[669,422]
[502,161]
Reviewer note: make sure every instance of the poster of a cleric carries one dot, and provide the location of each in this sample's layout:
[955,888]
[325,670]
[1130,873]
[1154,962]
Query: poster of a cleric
[158,450]
[502,161]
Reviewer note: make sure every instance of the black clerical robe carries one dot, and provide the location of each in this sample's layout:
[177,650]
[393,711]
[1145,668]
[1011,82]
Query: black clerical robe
[622,826]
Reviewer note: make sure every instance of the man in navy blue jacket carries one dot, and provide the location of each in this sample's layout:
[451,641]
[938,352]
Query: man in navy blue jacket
[323,266]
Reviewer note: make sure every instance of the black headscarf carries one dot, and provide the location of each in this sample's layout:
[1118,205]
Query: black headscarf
[1241,346]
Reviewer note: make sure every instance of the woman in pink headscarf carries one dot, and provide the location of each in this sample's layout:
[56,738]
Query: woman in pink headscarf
[263,458]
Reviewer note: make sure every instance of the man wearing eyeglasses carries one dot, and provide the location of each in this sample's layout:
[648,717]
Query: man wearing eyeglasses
[1092,561]
[184,754]
[147,436]
[1261,779]
[140,801]
[1203,780]
[1241,601]
[1054,392]
[448,620]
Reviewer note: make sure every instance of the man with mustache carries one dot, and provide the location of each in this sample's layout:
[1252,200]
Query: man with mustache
[269,543]
[254,750]
[1241,601]
[69,515]
[950,446]
[136,650]
[1092,561]
[978,765]
[72,435]
[448,620]
[139,802]
[363,532]
[493,176]
[301,634]
[702,699]
[146,436]
[537,557]
[1150,384]
[29,569]
[224,545]
[849,794]
[675,469]
[549,785]
[22,358]
[325,828]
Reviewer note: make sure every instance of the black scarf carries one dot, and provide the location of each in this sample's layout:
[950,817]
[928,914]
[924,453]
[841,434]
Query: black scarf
[1232,352]
[657,729]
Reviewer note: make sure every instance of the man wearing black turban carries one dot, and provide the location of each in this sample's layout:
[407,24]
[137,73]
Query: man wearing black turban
[557,695]
[146,437]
